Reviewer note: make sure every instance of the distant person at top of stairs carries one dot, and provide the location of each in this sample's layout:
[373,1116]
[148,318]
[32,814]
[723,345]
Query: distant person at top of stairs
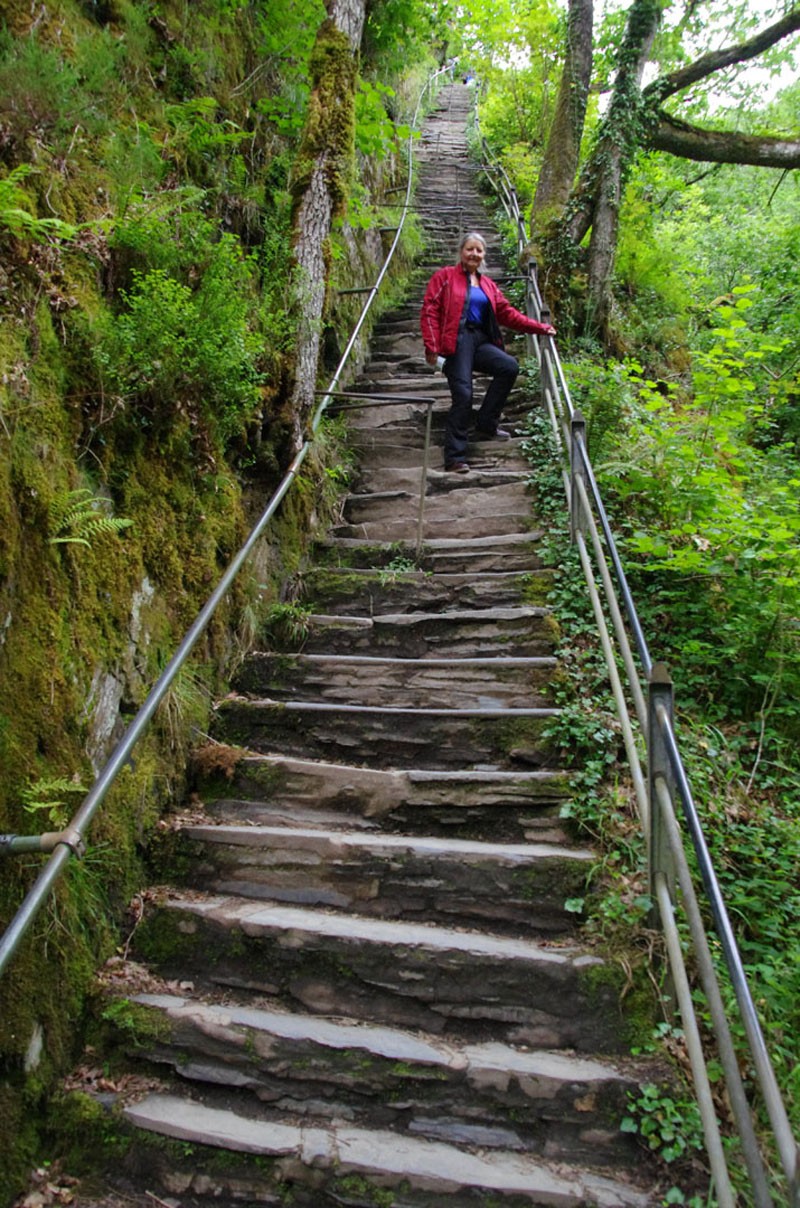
[461,317]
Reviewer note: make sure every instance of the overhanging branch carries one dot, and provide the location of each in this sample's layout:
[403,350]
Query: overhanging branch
[723,146]
[716,60]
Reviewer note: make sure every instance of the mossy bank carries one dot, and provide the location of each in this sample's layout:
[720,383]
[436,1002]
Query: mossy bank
[146,346]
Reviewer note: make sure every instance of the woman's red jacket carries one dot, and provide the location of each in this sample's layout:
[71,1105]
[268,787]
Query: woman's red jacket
[445,303]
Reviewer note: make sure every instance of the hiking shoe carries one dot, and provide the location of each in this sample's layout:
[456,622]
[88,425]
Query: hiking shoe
[457,467]
[498,434]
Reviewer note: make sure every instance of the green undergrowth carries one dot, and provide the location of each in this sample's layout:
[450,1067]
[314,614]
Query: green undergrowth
[614,907]
[718,624]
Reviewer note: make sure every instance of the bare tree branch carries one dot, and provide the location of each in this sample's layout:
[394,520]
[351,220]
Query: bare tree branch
[706,65]
[723,146]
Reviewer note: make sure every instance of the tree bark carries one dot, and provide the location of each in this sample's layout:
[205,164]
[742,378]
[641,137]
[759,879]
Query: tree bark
[723,146]
[561,155]
[620,138]
[319,185]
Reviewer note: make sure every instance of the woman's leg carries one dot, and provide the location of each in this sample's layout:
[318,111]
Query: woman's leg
[458,370]
[503,370]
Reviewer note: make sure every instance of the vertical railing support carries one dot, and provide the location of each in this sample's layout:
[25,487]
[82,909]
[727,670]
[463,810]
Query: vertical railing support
[577,470]
[660,698]
[545,362]
[423,486]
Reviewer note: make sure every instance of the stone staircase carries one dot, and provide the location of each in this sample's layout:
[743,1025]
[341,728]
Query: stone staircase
[363,987]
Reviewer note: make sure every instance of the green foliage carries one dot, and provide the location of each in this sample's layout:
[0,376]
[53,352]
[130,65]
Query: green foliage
[376,135]
[714,518]
[195,348]
[401,564]
[198,135]
[287,625]
[47,796]
[585,733]
[76,519]
[669,1127]
[15,207]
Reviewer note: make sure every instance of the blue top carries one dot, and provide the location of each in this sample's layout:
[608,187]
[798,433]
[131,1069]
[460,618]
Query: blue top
[478,305]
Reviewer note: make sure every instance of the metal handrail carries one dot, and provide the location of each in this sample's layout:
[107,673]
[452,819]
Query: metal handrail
[69,841]
[667,782]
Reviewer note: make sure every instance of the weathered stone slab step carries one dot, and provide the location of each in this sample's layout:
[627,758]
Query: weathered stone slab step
[324,1167]
[403,589]
[448,500]
[507,471]
[498,824]
[525,631]
[386,737]
[444,555]
[505,886]
[279,790]
[402,683]
[557,1105]
[401,447]
[393,530]
[468,984]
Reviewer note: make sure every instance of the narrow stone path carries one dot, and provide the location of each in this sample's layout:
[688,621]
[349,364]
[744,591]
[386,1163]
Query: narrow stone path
[368,990]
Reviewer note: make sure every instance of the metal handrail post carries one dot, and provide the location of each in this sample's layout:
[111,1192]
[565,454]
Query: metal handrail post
[660,860]
[423,486]
[709,981]
[787,1146]
[663,901]
[576,469]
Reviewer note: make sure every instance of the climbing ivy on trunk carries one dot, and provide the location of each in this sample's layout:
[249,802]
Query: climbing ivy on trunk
[320,180]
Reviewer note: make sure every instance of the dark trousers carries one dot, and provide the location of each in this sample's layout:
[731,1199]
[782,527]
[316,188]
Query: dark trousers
[475,351]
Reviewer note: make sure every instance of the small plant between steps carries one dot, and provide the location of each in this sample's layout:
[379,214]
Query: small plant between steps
[287,624]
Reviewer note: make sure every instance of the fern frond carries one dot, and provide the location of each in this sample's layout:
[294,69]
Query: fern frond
[74,519]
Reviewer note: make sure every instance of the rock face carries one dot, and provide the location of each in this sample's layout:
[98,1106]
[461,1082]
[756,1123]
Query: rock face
[368,990]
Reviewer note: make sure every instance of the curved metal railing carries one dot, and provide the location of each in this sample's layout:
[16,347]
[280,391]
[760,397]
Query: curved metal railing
[70,841]
[662,787]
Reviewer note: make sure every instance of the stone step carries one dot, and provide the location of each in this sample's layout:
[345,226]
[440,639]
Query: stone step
[449,497]
[444,555]
[402,589]
[278,790]
[392,479]
[557,1105]
[401,683]
[401,447]
[326,1167]
[520,887]
[522,632]
[387,737]
[467,984]
[392,531]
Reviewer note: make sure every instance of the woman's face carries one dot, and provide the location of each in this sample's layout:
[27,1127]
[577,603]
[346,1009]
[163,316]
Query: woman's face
[472,254]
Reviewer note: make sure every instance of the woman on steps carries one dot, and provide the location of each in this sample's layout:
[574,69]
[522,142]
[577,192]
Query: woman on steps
[461,317]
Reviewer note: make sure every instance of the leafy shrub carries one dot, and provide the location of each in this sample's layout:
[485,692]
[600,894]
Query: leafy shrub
[175,350]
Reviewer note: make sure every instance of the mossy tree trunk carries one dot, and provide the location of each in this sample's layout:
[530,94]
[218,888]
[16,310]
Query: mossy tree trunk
[319,186]
[622,137]
[636,121]
[562,152]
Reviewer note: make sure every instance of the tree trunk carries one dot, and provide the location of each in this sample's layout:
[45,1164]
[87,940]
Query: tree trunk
[319,186]
[621,136]
[635,120]
[561,154]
